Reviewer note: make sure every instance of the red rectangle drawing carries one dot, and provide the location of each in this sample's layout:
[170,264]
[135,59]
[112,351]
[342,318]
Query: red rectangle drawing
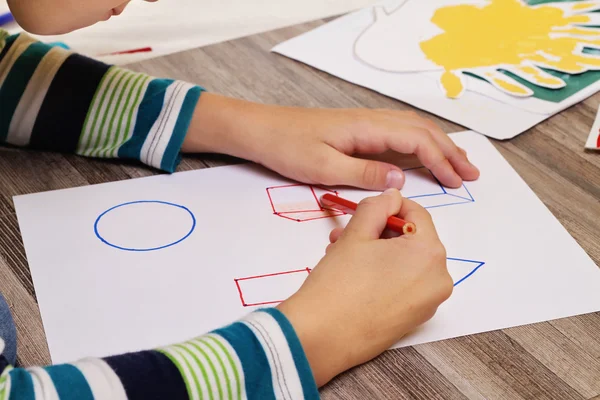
[270,288]
[300,202]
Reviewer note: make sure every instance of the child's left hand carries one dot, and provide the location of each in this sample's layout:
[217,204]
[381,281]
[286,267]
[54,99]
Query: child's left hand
[316,145]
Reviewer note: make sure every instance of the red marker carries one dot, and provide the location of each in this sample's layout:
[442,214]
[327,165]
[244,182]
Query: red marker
[393,223]
[134,51]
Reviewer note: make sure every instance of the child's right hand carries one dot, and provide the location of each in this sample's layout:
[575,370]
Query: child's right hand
[367,292]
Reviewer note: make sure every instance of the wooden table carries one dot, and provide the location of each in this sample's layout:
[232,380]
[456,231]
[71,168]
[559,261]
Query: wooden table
[552,360]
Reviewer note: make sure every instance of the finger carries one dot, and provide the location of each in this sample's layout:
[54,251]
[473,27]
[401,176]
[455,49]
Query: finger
[328,248]
[370,218]
[389,234]
[365,174]
[335,235]
[420,142]
[455,155]
[119,10]
[415,213]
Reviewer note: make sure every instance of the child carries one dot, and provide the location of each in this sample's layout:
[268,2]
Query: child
[55,100]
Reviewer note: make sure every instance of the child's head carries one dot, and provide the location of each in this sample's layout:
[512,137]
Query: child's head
[51,17]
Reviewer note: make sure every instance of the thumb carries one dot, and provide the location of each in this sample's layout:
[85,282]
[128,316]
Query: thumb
[371,216]
[368,174]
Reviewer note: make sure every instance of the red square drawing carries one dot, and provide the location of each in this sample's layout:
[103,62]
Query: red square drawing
[271,288]
[300,202]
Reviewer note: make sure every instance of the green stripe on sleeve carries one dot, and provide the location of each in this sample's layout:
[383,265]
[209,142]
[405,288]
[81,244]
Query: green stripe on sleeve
[113,133]
[227,380]
[233,366]
[211,366]
[122,135]
[134,109]
[202,370]
[95,109]
[106,113]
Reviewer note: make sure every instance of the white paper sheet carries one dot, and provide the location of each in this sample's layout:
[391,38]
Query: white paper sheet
[174,26]
[333,48]
[112,278]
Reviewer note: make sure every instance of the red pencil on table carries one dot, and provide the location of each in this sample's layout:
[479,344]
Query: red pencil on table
[394,223]
[133,51]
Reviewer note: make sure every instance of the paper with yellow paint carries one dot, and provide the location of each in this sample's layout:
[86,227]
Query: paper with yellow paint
[476,37]
[457,76]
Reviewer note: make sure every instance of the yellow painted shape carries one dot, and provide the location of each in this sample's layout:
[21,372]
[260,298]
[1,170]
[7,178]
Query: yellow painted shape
[510,87]
[579,31]
[569,68]
[582,6]
[587,60]
[505,84]
[539,77]
[504,32]
[452,84]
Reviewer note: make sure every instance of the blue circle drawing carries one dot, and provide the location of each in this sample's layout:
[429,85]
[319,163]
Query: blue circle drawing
[193,218]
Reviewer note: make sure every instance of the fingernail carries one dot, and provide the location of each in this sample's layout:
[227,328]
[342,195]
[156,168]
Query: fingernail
[395,179]
[391,191]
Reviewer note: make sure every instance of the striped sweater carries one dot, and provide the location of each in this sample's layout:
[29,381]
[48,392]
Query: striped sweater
[258,357]
[53,99]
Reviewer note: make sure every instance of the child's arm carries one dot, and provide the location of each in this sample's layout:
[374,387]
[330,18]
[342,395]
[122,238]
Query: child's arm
[56,100]
[258,357]
[53,99]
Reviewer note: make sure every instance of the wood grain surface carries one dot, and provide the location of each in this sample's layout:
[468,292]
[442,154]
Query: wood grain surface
[552,360]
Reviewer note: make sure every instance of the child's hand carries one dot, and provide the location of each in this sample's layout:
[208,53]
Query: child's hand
[367,292]
[316,145]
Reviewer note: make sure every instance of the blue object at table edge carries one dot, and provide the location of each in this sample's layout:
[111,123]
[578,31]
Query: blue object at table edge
[6,18]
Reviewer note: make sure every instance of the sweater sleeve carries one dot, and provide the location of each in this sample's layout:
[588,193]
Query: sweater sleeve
[56,100]
[257,357]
